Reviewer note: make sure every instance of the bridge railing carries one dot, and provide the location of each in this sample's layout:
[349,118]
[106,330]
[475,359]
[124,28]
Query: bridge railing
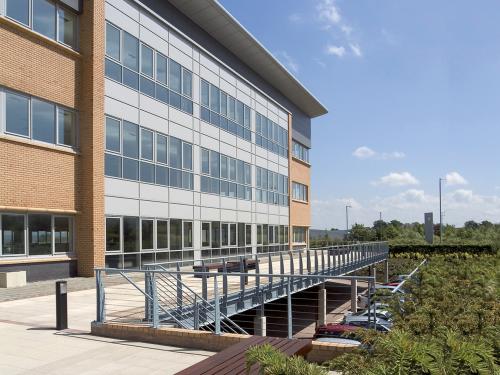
[207,298]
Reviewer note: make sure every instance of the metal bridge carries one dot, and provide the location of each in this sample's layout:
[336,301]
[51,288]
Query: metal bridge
[207,293]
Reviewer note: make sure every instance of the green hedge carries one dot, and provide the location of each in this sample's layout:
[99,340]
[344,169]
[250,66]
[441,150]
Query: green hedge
[442,249]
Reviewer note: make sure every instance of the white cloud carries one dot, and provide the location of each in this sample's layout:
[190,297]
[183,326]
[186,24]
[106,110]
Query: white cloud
[393,155]
[356,49]
[455,178]
[288,61]
[365,152]
[328,12]
[347,30]
[397,179]
[335,50]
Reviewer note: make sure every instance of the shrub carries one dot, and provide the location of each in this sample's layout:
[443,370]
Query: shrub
[442,249]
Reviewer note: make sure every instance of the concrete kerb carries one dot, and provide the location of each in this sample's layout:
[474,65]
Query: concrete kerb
[203,340]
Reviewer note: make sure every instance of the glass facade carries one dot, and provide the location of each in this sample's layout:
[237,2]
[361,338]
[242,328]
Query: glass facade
[139,154]
[270,135]
[272,187]
[132,64]
[300,151]
[224,111]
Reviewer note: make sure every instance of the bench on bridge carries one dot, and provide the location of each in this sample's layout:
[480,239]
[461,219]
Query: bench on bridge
[233,266]
[232,361]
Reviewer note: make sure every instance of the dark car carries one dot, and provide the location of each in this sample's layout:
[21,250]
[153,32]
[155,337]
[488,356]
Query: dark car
[334,330]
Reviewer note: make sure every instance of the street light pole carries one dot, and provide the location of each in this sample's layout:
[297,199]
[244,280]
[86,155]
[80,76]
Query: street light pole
[347,217]
[440,211]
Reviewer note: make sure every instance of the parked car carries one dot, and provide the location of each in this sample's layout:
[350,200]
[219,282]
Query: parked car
[380,312]
[381,325]
[338,340]
[333,330]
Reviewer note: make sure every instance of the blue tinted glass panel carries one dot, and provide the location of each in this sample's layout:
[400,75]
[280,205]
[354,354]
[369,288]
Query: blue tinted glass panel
[147,172]
[131,79]
[113,70]
[113,166]
[130,169]
[147,86]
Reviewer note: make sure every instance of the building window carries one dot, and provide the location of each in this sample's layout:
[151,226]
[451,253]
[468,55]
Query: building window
[224,111]
[17,114]
[46,17]
[138,70]
[155,150]
[19,10]
[147,234]
[175,234]
[299,192]
[40,234]
[299,234]
[205,234]
[113,234]
[272,187]
[12,240]
[63,234]
[39,120]
[188,234]
[225,176]
[35,234]
[113,42]
[300,152]
[162,234]
[271,136]
[130,234]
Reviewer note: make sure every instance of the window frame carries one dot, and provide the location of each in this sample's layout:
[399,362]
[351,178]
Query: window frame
[30,26]
[25,235]
[31,99]
[120,250]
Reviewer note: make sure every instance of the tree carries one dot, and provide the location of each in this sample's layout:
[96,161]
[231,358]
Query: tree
[361,233]
[471,224]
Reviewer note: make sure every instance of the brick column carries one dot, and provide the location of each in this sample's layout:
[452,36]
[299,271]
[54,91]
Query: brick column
[90,223]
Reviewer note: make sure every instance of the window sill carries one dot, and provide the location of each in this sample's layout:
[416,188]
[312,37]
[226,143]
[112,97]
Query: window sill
[300,201]
[36,259]
[301,161]
[38,209]
[53,43]
[33,143]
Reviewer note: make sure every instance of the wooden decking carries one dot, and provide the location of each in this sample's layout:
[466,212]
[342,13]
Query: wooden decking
[233,361]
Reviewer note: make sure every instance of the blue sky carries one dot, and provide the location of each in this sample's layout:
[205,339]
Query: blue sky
[413,90]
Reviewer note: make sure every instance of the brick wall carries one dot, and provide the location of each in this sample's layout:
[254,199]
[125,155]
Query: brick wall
[42,176]
[300,212]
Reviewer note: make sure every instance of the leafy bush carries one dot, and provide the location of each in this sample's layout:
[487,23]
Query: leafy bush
[273,362]
[448,323]
[442,249]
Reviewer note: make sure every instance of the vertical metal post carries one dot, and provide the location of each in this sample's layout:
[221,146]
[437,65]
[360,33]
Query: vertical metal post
[224,286]
[440,212]
[154,295]
[101,311]
[179,288]
[369,302]
[270,277]
[308,261]
[204,286]
[289,309]
[217,307]
[282,271]
[61,305]
[334,257]
[257,273]
[323,261]
[301,270]
[196,323]
[329,260]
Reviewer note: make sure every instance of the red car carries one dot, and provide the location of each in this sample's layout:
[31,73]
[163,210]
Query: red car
[333,330]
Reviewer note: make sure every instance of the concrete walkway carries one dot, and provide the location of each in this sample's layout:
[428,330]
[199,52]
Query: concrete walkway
[29,343]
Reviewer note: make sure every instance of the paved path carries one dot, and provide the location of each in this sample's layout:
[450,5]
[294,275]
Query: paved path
[29,344]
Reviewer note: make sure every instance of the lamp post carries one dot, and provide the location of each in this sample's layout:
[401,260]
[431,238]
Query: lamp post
[347,217]
[441,210]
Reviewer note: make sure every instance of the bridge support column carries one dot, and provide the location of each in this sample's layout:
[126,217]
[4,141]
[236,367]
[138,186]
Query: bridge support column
[386,271]
[259,325]
[322,298]
[354,295]
[373,272]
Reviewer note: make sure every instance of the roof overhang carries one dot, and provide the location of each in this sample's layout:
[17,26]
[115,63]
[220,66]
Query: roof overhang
[222,26]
